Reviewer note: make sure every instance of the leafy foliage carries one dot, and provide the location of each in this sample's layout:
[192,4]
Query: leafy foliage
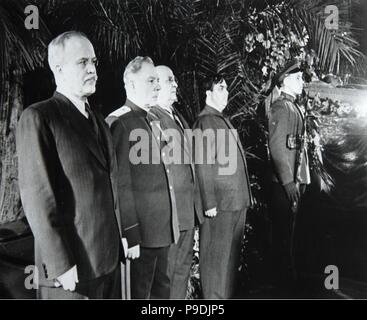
[247,41]
[21,50]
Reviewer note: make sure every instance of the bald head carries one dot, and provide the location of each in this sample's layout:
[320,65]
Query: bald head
[168,93]
[163,69]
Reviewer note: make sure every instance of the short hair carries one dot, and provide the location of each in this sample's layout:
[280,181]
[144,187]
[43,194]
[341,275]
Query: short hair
[292,66]
[210,82]
[57,46]
[135,65]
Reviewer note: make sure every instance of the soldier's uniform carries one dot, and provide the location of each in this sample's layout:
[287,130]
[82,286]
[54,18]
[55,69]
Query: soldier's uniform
[287,152]
[151,196]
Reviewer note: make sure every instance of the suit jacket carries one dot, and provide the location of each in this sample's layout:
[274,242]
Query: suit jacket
[220,164]
[185,183]
[286,123]
[68,189]
[136,136]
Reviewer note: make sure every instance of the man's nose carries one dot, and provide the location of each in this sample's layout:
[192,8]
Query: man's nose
[157,87]
[91,68]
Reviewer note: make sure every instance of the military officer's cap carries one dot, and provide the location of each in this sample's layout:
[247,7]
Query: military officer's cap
[292,66]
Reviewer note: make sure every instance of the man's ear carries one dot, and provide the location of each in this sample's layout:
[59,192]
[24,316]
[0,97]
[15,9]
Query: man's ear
[286,79]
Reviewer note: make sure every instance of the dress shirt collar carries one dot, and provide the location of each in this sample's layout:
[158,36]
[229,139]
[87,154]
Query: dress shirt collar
[79,104]
[169,110]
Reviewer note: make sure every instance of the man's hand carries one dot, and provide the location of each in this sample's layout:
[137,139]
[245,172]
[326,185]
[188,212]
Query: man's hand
[134,252]
[68,280]
[293,193]
[211,212]
[130,253]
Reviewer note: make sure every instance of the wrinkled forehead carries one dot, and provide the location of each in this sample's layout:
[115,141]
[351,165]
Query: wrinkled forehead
[78,47]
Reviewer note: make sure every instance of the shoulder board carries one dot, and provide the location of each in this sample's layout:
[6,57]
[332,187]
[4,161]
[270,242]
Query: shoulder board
[120,111]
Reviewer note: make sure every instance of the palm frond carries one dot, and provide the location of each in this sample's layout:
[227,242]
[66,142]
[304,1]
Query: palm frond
[335,48]
[20,49]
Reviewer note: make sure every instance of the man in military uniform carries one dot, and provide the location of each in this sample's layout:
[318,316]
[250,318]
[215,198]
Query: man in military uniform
[290,171]
[184,182]
[136,136]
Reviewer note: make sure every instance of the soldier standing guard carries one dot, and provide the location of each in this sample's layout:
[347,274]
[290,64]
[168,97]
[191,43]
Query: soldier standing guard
[290,170]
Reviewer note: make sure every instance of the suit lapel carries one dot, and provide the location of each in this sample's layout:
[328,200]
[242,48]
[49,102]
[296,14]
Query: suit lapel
[239,144]
[81,127]
[187,144]
[162,116]
[107,139]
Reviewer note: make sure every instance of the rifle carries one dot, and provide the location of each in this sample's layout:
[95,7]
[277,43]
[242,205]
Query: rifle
[299,155]
[297,173]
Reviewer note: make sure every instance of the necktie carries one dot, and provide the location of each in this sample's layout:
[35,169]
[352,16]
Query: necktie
[94,124]
[177,120]
[92,120]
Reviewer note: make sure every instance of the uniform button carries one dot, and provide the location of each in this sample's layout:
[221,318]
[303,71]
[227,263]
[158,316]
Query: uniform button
[163,154]
[167,170]
[170,187]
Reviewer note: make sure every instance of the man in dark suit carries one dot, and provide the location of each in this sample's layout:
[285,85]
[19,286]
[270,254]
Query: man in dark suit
[186,190]
[290,171]
[67,180]
[225,192]
[137,139]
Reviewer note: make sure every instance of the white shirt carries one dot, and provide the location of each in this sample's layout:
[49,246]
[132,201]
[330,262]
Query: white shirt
[79,104]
